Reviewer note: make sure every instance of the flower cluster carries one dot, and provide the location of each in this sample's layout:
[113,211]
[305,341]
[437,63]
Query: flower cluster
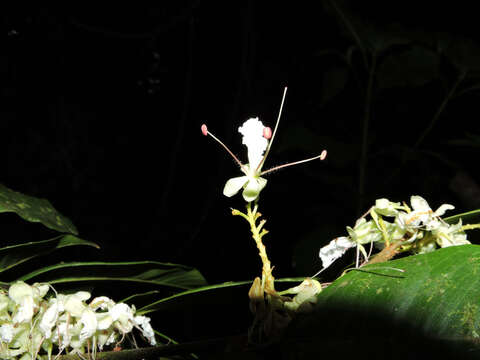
[30,324]
[418,229]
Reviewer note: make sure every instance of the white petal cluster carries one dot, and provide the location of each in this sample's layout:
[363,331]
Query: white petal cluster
[251,182]
[335,249]
[420,229]
[252,131]
[31,325]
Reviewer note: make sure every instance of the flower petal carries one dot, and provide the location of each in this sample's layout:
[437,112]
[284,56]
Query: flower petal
[335,249]
[252,131]
[386,207]
[419,203]
[441,210]
[89,322]
[253,188]
[234,185]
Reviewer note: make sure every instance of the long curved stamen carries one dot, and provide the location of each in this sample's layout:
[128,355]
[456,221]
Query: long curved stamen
[206,133]
[274,131]
[322,156]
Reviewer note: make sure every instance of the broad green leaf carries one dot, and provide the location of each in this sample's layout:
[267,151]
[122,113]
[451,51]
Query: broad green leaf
[435,295]
[14,255]
[139,272]
[34,210]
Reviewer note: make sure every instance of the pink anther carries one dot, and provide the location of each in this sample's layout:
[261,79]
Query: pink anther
[323,155]
[267,133]
[204,129]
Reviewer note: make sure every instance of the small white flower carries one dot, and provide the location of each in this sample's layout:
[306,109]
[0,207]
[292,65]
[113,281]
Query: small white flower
[335,249]
[63,334]
[450,235]
[253,137]
[19,290]
[305,295]
[147,331]
[74,303]
[122,316]
[105,338]
[364,232]
[49,318]
[386,208]
[6,333]
[89,322]
[22,295]
[104,321]
[422,215]
[101,302]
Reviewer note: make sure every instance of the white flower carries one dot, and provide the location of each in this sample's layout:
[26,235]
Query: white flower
[22,295]
[364,232]
[101,302]
[386,208]
[104,321]
[74,303]
[122,316]
[63,333]
[89,322]
[258,140]
[49,318]
[29,324]
[305,295]
[6,333]
[450,235]
[253,137]
[19,290]
[105,338]
[147,331]
[335,249]
[422,215]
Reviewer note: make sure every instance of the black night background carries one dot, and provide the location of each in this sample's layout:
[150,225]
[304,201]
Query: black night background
[102,107]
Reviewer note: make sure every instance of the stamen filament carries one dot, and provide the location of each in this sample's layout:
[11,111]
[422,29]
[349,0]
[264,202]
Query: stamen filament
[204,130]
[274,131]
[322,156]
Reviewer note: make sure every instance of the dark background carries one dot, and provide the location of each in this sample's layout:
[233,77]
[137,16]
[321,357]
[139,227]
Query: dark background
[102,107]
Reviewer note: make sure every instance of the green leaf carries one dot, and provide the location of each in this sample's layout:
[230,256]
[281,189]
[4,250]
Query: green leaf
[14,255]
[139,272]
[435,295]
[34,210]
